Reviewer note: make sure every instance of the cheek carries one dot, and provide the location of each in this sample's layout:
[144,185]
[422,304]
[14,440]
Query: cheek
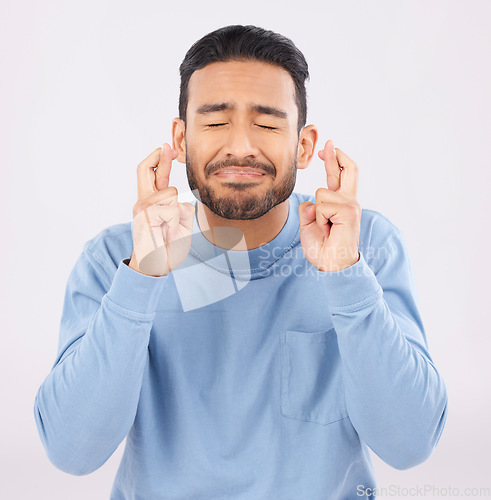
[199,158]
[203,148]
[280,151]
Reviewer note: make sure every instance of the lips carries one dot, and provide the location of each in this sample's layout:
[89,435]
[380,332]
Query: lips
[240,171]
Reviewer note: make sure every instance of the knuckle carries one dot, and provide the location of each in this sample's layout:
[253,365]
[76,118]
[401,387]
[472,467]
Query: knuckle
[355,207]
[136,208]
[168,194]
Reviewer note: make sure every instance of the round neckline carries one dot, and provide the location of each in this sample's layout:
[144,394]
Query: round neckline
[248,264]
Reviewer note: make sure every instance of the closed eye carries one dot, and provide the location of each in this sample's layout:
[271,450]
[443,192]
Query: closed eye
[220,124]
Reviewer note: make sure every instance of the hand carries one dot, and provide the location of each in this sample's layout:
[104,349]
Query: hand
[330,227]
[162,227]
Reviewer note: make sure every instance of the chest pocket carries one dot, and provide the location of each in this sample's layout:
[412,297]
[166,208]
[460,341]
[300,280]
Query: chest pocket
[312,387]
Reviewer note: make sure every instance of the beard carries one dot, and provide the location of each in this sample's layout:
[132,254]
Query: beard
[241,205]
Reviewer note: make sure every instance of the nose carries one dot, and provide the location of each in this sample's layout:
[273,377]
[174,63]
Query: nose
[239,142]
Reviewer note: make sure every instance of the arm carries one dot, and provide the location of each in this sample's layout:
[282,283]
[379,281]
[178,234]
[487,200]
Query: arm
[396,399]
[88,402]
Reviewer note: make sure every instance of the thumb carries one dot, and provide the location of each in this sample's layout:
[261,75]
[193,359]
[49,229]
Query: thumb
[306,213]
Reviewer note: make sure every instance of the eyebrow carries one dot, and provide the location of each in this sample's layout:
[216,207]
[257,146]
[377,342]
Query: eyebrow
[225,106]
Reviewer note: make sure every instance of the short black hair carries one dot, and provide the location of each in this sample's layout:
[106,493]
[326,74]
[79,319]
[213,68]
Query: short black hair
[242,43]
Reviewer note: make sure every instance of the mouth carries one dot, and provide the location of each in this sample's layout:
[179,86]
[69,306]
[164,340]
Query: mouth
[240,173]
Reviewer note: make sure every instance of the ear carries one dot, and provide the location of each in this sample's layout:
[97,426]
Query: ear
[178,139]
[306,146]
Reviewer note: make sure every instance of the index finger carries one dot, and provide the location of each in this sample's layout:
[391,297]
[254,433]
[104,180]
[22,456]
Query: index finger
[328,155]
[162,173]
[349,175]
[154,171]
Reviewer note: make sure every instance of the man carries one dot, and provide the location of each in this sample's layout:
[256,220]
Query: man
[259,341]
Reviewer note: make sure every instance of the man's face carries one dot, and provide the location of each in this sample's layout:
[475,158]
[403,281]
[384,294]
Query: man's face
[241,114]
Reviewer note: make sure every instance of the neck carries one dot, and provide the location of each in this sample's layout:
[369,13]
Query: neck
[247,234]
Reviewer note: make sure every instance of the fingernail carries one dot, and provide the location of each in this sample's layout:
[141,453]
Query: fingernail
[333,146]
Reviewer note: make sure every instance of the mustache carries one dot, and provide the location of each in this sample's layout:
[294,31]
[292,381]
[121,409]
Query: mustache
[231,162]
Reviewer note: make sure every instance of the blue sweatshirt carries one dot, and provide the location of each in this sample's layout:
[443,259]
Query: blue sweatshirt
[242,374]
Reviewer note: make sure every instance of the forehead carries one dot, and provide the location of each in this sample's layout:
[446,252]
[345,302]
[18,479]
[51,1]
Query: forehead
[242,82]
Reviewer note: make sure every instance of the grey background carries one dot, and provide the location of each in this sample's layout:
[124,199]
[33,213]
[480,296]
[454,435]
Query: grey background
[89,89]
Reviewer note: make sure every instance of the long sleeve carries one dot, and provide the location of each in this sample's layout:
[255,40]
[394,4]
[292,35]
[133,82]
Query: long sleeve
[396,399]
[87,404]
